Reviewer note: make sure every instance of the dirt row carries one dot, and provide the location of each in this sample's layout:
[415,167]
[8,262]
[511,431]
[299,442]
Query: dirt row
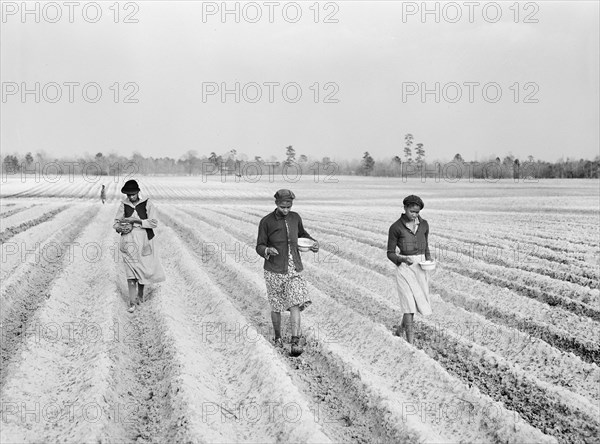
[11,231]
[546,293]
[580,285]
[543,238]
[22,296]
[77,367]
[77,364]
[499,342]
[499,252]
[552,292]
[355,252]
[564,330]
[38,242]
[83,369]
[451,220]
[18,209]
[527,256]
[579,335]
[360,251]
[371,362]
[65,189]
[482,369]
[337,399]
[238,388]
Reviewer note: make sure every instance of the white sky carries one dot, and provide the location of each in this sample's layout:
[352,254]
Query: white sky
[369,54]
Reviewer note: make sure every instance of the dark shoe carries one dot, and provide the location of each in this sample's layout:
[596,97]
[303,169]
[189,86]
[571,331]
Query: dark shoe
[398,330]
[278,343]
[296,348]
[304,305]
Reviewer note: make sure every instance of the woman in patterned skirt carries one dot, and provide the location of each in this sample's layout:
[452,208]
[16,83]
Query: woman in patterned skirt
[135,220]
[410,234]
[277,242]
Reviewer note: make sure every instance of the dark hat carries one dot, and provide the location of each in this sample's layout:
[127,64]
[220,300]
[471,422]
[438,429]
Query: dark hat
[413,200]
[130,187]
[284,195]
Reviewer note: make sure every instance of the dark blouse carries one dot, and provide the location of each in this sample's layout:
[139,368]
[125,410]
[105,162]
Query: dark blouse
[272,232]
[409,243]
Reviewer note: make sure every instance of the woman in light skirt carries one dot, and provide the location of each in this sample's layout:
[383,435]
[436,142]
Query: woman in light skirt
[410,235]
[135,221]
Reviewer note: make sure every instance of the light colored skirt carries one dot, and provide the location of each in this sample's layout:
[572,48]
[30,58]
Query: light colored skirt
[140,258]
[412,283]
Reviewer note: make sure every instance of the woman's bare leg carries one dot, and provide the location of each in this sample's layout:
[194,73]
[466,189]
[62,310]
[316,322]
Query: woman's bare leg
[133,290]
[407,326]
[296,347]
[295,320]
[276,319]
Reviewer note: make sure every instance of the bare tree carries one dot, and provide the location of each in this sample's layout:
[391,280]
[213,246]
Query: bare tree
[189,159]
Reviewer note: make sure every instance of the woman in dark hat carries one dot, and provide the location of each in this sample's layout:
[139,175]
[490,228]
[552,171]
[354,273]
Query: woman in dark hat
[135,220]
[410,235]
[277,243]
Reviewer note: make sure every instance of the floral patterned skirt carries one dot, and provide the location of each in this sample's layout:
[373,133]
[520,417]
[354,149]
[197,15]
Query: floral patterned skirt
[286,290]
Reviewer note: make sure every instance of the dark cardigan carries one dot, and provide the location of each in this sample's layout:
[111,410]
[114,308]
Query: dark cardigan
[410,244]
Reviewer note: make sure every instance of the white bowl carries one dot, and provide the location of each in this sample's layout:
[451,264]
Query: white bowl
[427,265]
[305,243]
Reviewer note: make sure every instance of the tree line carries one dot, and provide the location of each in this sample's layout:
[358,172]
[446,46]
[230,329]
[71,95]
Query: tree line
[291,164]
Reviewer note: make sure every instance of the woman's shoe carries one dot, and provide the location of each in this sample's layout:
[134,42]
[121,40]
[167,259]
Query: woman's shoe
[398,330]
[278,343]
[296,349]
[131,308]
[304,305]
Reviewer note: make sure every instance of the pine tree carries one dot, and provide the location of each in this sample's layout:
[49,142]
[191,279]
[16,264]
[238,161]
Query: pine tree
[367,163]
[420,153]
[408,139]
[291,155]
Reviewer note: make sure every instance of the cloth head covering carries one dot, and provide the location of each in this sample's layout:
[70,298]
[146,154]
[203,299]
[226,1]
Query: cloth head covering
[413,200]
[130,187]
[284,195]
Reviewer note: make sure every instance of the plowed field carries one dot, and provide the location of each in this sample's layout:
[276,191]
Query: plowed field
[510,354]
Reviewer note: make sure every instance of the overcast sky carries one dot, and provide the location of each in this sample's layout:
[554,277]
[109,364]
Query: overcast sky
[371,61]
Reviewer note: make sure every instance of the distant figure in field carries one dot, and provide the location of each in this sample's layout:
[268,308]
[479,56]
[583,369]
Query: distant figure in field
[135,220]
[277,242]
[410,234]
[103,194]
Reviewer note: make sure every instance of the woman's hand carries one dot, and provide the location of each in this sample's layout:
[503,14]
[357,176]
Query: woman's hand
[405,259]
[124,228]
[152,222]
[315,247]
